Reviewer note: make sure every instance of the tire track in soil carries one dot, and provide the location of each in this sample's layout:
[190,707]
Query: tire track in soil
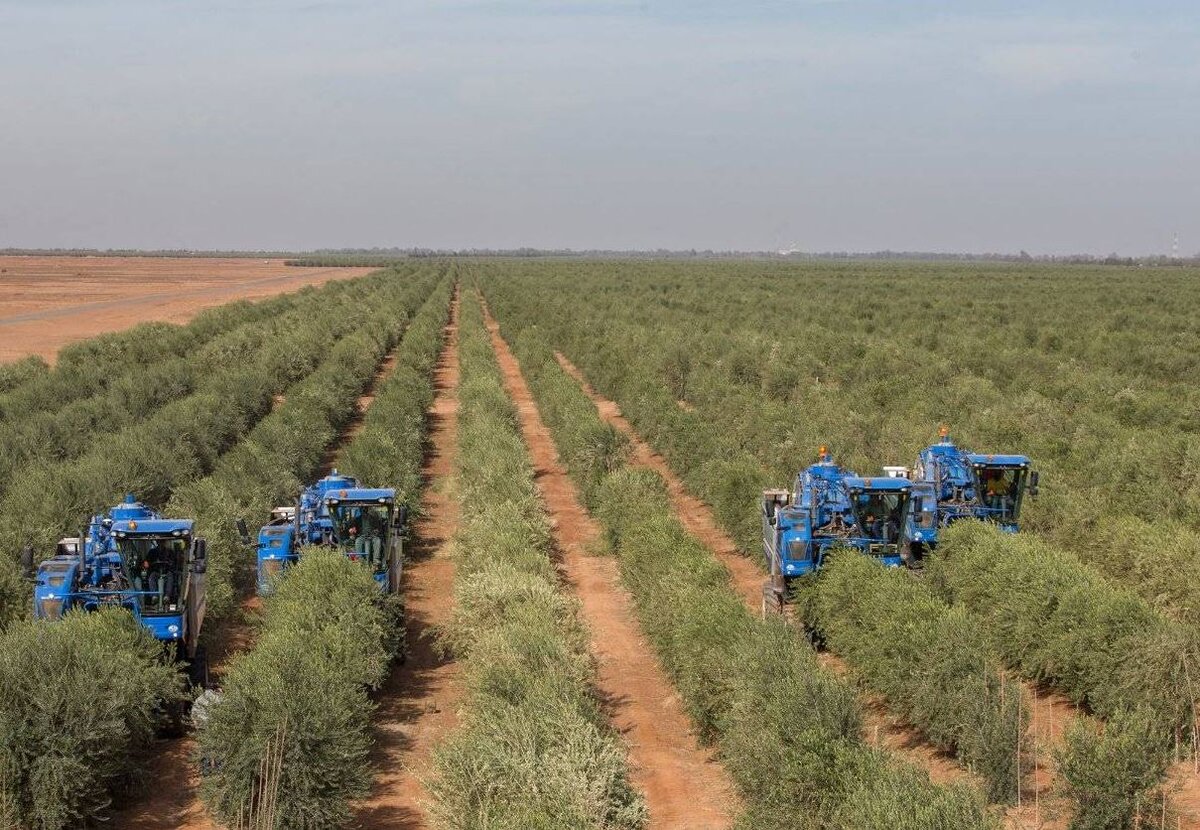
[1053,712]
[419,702]
[683,784]
[174,802]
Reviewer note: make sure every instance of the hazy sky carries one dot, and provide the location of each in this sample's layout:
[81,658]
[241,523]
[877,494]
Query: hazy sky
[1048,125]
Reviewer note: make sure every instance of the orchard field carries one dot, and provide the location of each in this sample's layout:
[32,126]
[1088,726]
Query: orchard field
[578,642]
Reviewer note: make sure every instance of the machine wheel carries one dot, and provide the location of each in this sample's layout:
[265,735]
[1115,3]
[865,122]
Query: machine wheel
[772,601]
[198,668]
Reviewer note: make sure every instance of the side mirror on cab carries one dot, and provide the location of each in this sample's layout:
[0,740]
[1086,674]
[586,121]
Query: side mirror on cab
[1033,484]
[243,532]
[199,556]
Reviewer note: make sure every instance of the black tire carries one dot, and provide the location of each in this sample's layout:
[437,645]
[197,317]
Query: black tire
[198,668]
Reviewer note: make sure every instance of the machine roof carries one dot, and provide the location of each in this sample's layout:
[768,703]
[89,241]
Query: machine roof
[998,460]
[152,526]
[895,485]
[356,494]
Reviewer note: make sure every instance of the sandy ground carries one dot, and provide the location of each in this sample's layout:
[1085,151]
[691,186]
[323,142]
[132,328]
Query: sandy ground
[684,785]
[419,702]
[49,302]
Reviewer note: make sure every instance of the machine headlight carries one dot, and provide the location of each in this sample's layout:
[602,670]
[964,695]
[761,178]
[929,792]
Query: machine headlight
[174,629]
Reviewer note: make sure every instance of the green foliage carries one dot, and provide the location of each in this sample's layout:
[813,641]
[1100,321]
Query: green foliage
[1085,370]
[788,732]
[324,643]
[534,750]
[68,412]
[591,448]
[1113,771]
[80,701]
[931,661]
[21,371]
[390,446]
[1061,623]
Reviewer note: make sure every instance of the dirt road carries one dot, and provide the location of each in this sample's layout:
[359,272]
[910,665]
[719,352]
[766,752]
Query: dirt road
[49,302]
[684,786]
[419,701]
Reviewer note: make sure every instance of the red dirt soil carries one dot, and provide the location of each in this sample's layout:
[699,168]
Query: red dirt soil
[419,702]
[881,728]
[1183,792]
[683,784]
[47,302]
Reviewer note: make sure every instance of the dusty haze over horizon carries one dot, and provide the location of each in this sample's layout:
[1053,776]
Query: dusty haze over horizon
[1055,127]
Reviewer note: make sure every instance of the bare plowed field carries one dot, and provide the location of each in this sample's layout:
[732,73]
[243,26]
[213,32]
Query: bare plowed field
[48,302]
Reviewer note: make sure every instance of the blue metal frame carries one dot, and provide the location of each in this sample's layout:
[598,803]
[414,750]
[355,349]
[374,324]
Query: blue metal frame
[88,573]
[957,478]
[823,512]
[281,542]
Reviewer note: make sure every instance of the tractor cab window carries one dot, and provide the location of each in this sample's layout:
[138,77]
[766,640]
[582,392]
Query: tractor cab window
[1000,490]
[925,511]
[880,514]
[155,568]
[363,529]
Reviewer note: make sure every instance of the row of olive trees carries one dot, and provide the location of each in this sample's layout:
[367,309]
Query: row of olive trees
[292,729]
[789,732]
[63,416]
[535,749]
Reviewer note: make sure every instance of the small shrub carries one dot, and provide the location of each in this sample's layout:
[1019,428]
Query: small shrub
[80,702]
[1113,771]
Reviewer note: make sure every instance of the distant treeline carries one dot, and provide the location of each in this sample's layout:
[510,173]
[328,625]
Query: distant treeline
[379,257]
[387,256]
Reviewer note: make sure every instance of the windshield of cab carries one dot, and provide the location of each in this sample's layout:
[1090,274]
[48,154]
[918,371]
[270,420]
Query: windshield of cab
[156,570]
[1000,490]
[363,528]
[880,514]
[924,510]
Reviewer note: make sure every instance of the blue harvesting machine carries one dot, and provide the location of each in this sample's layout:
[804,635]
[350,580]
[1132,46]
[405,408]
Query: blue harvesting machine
[830,507]
[132,558]
[336,512]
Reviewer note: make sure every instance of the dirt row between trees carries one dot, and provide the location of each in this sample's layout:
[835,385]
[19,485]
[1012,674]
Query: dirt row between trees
[1052,712]
[419,702]
[173,802]
[683,784]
